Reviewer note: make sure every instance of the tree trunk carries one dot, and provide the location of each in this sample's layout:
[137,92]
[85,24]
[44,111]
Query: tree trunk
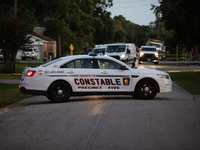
[9,62]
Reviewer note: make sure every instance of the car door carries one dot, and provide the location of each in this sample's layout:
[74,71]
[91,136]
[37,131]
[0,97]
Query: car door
[111,77]
[81,74]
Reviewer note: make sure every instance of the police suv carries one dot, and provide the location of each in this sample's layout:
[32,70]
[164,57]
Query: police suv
[92,75]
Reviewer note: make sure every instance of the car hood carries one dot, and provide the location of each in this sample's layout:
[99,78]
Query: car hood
[147,71]
[148,52]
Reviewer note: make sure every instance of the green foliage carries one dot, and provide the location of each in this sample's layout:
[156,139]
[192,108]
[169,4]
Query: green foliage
[103,23]
[182,16]
[13,36]
[119,35]
[129,32]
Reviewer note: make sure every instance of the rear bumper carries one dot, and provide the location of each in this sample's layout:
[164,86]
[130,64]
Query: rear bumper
[33,92]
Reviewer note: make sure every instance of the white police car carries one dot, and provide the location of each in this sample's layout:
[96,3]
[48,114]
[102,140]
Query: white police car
[92,75]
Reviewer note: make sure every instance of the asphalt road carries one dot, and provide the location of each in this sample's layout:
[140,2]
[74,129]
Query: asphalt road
[169,68]
[171,121]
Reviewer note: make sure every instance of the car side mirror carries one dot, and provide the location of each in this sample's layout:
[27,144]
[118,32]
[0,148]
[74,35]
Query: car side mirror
[123,68]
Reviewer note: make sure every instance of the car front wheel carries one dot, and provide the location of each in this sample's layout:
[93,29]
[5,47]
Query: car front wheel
[147,89]
[59,92]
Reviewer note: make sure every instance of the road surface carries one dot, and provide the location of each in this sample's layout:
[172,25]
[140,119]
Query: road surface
[171,121]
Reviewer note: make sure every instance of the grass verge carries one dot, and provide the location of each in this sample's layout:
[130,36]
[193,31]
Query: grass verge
[9,94]
[190,81]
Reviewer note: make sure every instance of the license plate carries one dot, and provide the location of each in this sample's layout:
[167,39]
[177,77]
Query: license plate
[148,59]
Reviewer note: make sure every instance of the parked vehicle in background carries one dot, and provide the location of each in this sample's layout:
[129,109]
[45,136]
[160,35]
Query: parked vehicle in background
[126,52]
[99,49]
[29,53]
[149,53]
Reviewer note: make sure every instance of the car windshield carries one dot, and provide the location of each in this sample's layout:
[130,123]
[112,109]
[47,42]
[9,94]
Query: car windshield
[99,50]
[116,48]
[156,45]
[149,49]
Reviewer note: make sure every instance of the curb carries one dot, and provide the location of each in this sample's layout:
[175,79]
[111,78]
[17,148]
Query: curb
[174,71]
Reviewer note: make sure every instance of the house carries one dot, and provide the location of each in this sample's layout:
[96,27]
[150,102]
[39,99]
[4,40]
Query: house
[45,46]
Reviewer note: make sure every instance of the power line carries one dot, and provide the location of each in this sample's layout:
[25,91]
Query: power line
[131,6]
[130,1]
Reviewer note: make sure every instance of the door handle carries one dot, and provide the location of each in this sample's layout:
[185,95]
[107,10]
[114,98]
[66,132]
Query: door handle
[104,72]
[70,72]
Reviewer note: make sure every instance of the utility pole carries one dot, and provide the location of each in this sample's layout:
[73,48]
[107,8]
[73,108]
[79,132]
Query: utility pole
[15,8]
[158,29]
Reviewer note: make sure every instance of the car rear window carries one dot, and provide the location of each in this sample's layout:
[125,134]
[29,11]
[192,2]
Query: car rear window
[51,62]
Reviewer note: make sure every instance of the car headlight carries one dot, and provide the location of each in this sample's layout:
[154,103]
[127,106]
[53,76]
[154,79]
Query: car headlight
[166,76]
[141,54]
[122,55]
[156,54]
[105,55]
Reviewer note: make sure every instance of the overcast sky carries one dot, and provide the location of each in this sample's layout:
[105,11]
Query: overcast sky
[136,11]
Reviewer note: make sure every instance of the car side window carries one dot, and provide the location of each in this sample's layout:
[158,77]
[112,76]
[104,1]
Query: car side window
[108,64]
[79,63]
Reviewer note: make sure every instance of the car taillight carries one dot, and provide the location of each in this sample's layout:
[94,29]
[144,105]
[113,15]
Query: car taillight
[32,52]
[22,52]
[30,73]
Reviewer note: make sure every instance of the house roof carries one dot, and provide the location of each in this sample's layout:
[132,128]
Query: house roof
[42,36]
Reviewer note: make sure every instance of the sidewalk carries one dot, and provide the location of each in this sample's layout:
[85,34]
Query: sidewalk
[9,81]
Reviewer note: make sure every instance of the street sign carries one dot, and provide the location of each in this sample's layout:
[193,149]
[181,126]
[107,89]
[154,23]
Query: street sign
[71,48]
[38,40]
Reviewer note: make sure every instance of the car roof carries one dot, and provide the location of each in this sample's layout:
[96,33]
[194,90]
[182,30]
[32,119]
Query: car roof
[58,62]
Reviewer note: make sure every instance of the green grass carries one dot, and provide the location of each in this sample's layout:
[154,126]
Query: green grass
[190,81]
[2,77]
[9,94]
[19,67]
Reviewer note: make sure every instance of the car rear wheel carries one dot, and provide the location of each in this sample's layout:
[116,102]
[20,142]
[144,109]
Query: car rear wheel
[59,92]
[147,89]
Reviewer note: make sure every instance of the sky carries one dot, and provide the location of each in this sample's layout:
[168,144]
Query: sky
[136,11]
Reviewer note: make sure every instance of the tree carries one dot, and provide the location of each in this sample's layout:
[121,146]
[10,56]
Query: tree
[183,17]
[103,23]
[14,34]
[119,33]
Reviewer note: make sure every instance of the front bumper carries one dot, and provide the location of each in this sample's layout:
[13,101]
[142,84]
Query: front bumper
[149,57]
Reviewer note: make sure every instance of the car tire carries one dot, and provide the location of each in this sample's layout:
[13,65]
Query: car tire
[147,89]
[59,92]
